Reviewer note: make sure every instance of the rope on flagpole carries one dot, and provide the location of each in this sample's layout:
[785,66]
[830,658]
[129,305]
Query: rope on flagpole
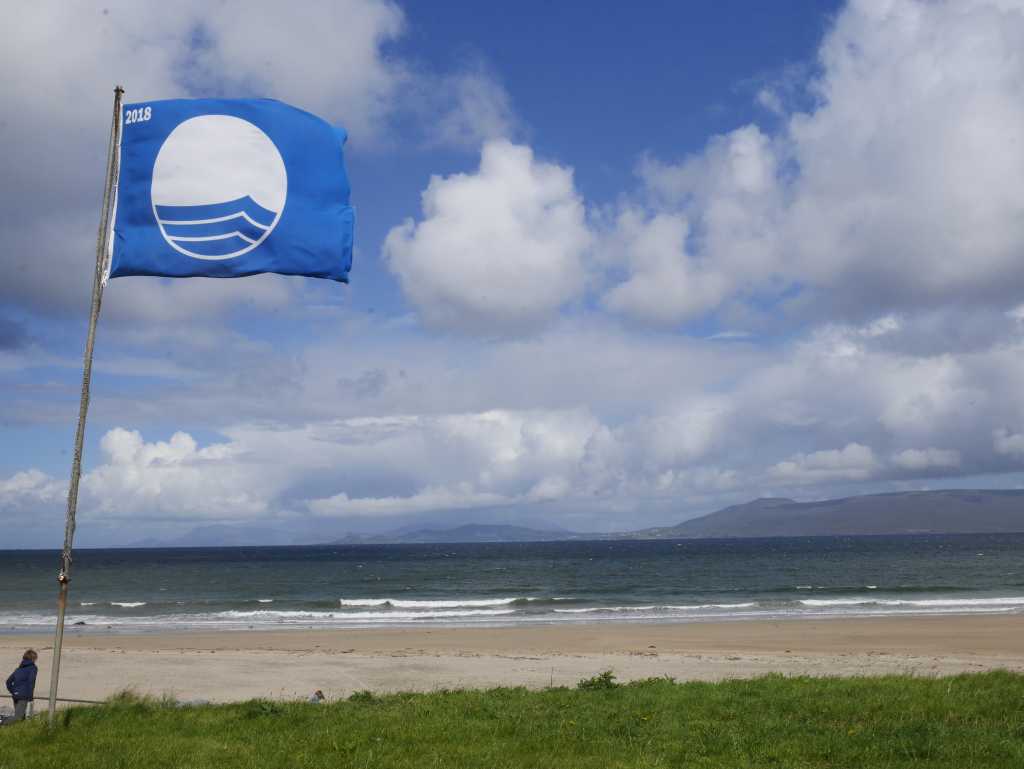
[102,248]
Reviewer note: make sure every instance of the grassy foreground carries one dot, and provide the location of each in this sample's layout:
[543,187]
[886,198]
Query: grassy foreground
[959,722]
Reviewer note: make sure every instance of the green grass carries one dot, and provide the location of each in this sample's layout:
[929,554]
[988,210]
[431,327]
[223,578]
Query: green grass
[962,722]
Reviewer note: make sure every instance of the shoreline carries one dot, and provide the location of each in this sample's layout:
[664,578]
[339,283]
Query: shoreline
[230,665]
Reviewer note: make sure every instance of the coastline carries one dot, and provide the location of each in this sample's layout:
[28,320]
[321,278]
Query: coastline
[229,665]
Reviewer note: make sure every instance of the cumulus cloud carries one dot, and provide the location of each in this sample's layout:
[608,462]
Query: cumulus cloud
[898,188]
[670,427]
[854,462]
[29,491]
[925,459]
[895,190]
[709,231]
[448,462]
[843,384]
[173,478]
[497,251]
[665,284]
[910,172]
[680,433]
[386,466]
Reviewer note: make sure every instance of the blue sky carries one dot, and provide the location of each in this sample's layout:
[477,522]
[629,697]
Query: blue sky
[616,266]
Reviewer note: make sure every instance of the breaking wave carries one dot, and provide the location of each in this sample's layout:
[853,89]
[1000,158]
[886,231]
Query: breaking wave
[924,602]
[399,603]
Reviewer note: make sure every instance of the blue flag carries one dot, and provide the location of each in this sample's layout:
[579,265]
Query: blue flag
[223,188]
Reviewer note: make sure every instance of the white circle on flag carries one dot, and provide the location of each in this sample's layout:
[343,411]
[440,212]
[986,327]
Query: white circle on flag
[219,187]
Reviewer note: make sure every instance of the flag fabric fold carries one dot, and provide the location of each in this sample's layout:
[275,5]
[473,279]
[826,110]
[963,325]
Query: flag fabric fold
[224,188]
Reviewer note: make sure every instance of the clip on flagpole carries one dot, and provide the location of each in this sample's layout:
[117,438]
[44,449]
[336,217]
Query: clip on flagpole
[103,244]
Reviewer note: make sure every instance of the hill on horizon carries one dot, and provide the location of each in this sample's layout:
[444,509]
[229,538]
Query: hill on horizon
[958,511]
[470,532]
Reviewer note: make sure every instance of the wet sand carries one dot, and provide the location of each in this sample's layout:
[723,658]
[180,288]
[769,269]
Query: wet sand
[237,665]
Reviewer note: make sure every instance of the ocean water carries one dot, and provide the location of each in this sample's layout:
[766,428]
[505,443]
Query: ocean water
[513,583]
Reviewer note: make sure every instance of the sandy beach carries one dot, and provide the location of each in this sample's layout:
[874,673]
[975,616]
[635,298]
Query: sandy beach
[238,665]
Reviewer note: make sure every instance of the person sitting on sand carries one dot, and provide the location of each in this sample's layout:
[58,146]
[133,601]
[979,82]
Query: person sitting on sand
[317,697]
[22,683]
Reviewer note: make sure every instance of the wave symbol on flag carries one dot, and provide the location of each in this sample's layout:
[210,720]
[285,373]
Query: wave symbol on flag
[217,230]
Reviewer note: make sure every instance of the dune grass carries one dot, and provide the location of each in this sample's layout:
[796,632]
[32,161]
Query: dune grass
[959,722]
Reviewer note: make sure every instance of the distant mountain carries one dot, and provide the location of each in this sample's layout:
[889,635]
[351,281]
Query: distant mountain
[471,532]
[912,512]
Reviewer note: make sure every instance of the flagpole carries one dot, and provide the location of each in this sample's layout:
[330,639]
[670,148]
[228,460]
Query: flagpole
[102,250]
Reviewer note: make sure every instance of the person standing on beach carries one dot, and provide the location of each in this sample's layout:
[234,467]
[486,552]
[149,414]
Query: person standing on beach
[22,683]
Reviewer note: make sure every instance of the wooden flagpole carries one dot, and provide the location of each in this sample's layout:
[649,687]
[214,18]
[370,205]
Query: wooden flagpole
[99,278]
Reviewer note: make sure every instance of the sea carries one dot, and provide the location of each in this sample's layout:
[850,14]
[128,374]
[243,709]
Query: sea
[334,586]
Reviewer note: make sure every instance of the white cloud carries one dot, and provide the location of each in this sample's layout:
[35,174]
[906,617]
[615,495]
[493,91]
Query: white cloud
[452,461]
[896,190]
[1007,443]
[173,478]
[588,412]
[770,100]
[839,385]
[177,302]
[709,232]
[326,58]
[924,459]
[430,499]
[924,392]
[596,421]
[854,462]
[665,285]
[498,251]
[682,433]
[887,324]
[29,491]
[899,188]
[910,172]
[467,109]
[1016,313]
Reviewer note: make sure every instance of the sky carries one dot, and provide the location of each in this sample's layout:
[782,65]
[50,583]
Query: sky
[615,267]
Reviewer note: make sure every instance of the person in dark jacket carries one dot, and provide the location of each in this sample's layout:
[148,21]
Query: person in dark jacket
[22,683]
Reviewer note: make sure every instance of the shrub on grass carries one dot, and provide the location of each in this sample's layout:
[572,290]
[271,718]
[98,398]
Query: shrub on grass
[605,680]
